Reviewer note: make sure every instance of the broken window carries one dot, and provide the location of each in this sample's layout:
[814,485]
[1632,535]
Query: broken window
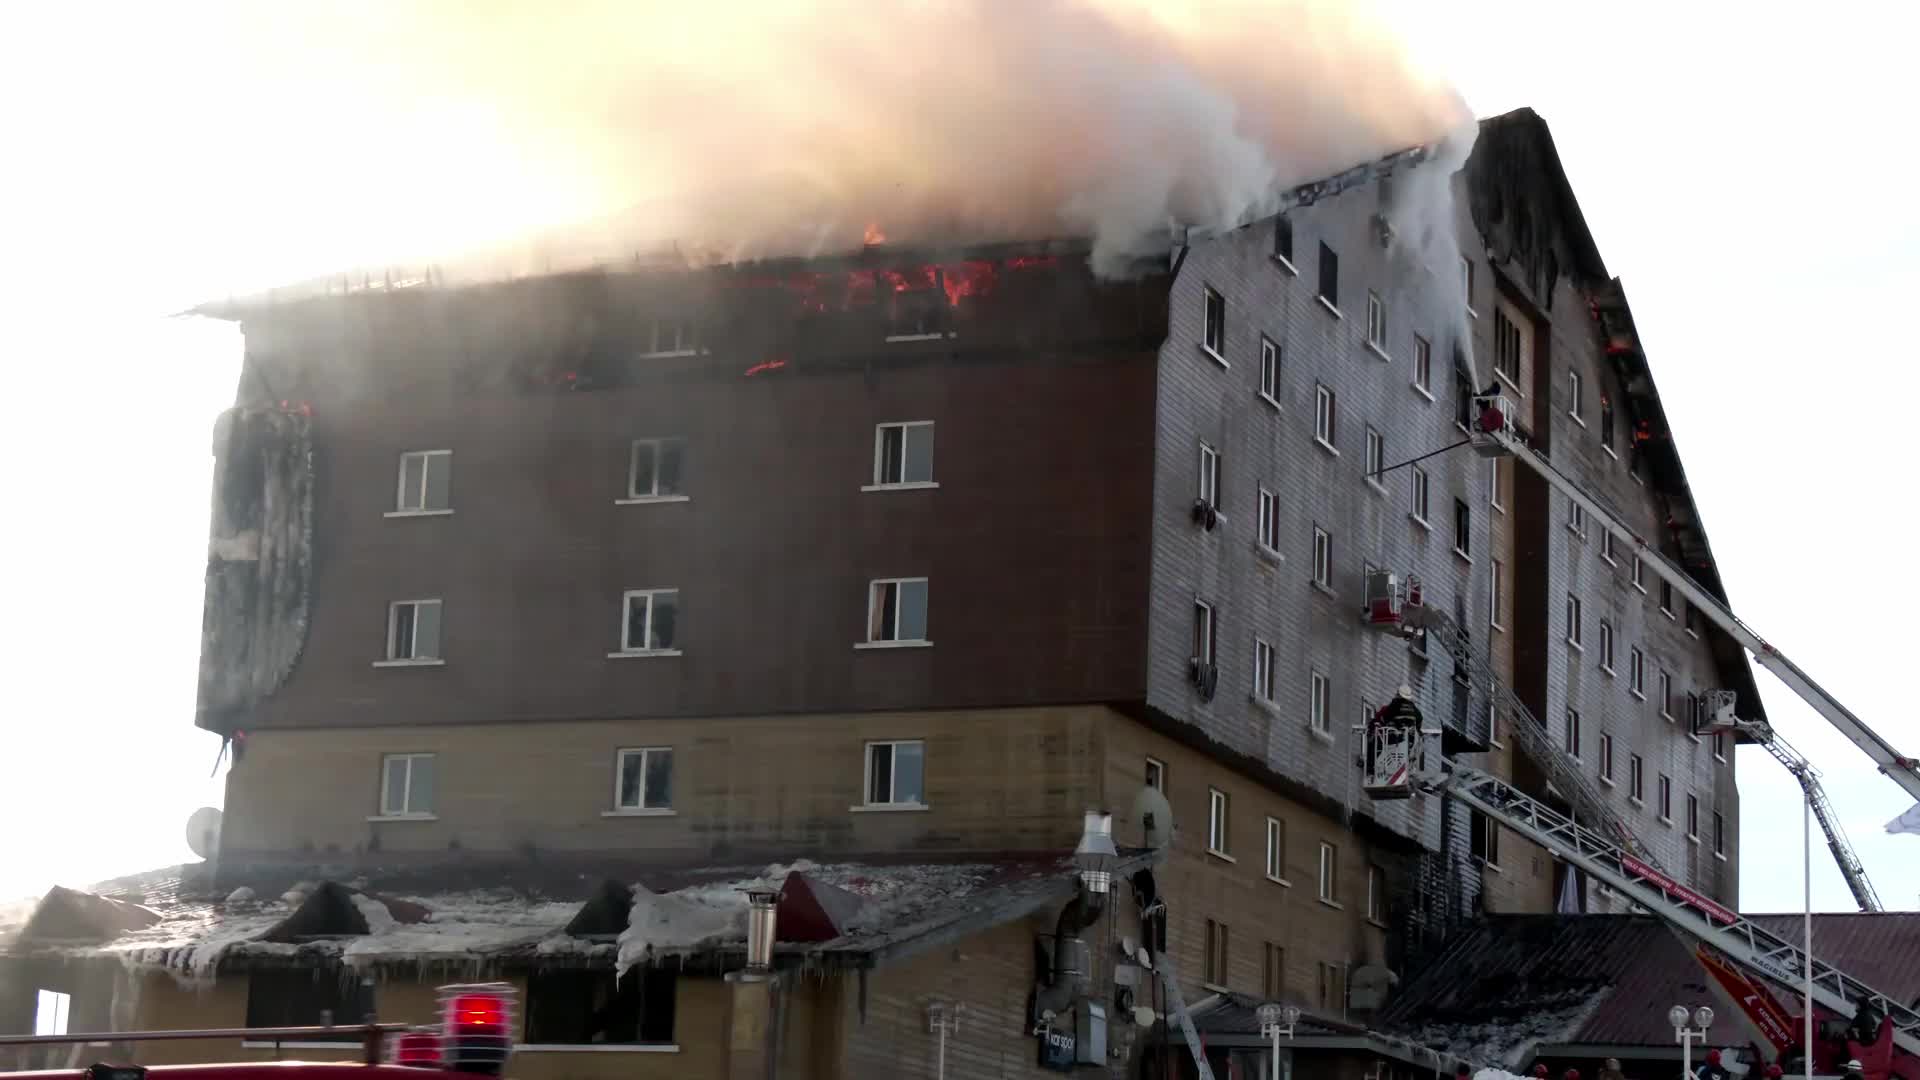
[1693,817]
[1462,394]
[1423,365]
[1606,757]
[1666,599]
[1506,346]
[1666,695]
[593,1008]
[406,785]
[1666,798]
[1606,646]
[917,306]
[652,622]
[1637,671]
[1329,276]
[1214,331]
[413,630]
[1719,834]
[313,997]
[653,470]
[896,773]
[1495,590]
[644,779]
[1283,239]
[1269,370]
[1157,775]
[903,454]
[897,610]
[425,479]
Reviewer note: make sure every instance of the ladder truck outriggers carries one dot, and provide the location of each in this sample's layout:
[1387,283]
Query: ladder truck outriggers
[1403,757]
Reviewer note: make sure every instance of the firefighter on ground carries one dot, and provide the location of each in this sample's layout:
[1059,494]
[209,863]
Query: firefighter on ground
[1853,1071]
[1612,1070]
[1540,1071]
[1711,1069]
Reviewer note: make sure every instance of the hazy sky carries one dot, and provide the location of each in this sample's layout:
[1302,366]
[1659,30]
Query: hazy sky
[1733,163]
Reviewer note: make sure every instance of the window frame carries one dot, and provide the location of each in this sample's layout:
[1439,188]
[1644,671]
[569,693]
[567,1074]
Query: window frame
[1206,637]
[406,811]
[1607,548]
[1574,398]
[1422,497]
[1493,485]
[1665,805]
[1571,734]
[1326,417]
[413,655]
[1606,425]
[1606,758]
[1639,576]
[1209,479]
[1575,618]
[627,647]
[400,507]
[1666,600]
[1486,830]
[1462,529]
[1265,660]
[1495,593]
[1277,851]
[1213,324]
[640,807]
[880,482]
[1270,360]
[1377,324]
[1666,694]
[1637,672]
[1576,518]
[1636,779]
[1466,284]
[1319,703]
[634,495]
[1693,817]
[1267,523]
[1329,883]
[876,603]
[686,340]
[1322,557]
[1376,894]
[1719,835]
[1327,288]
[1155,774]
[1376,458]
[893,775]
[1606,646]
[52,1011]
[1423,366]
[1283,242]
[1214,969]
[1219,823]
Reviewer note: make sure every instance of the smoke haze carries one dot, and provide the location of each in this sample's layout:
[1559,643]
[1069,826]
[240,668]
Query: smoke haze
[738,130]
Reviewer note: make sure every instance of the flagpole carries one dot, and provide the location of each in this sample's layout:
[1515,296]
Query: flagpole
[1806,876]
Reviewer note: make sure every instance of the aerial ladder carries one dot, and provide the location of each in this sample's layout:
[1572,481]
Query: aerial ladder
[1808,777]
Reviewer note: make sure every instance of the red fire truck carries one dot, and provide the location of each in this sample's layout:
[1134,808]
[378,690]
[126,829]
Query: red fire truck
[473,1039]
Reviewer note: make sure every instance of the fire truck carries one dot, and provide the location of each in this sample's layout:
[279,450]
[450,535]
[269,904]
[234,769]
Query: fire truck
[474,1038]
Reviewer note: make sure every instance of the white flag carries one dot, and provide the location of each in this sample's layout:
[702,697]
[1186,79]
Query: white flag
[1907,822]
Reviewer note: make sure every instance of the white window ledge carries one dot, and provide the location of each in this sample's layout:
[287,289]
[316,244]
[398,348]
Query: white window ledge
[1720,855]
[1334,904]
[1270,400]
[1575,417]
[1639,694]
[1323,587]
[1285,264]
[1463,556]
[1268,553]
[906,485]
[593,1048]
[1420,521]
[410,663]
[890,808]
[1493,866]
[1222,856]
[667,354]
[1497,628]
[1208,352]
[1642,588]
[1472,314]
[1325,445]
[1376,485]
[1576,646]
[403,817]
[893,645]
[1422,391]
[641,654]
[1607,780]
[648,500]
[1642,803]
[1323,736]
[935,336]
[1608,668]
[1379,352]
[640,811]
[417,513]
[1328,304]
[1270,707]
[1503,377]
[1280,881]
[1214,987]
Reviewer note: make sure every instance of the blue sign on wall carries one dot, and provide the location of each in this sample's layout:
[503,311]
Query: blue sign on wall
[1056,1049]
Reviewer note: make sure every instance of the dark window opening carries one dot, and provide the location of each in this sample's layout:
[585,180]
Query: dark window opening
[1485,843]
[1462,392]
[1283,237]
[1329,275]
[308,999]
[1606,421]
[582,1008]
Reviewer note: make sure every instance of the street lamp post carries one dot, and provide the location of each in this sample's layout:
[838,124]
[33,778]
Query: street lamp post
[943,1019]
[1686,1036]
[1276,1020]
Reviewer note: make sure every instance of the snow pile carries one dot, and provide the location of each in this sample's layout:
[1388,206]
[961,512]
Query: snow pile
[379,917]
[461,926]
[667,922]
[241,895]
[1510,1038]
[1497,1074]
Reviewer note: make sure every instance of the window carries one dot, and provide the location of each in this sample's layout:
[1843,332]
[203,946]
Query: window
[1274,981]
[1276,849]
[1606,646]
[903,454]
[1466,282]
[1484,844]
[897,611]
[1695,714]
[425,478]
[1326,418]
[1423,365]
[1606,423]
[1215,330]
[1719,834]
[1637,672]
[652,621]
[413,631]
[1216,821]
[1262,670]
[1639,582]
[1636,778]
[1495,593]
[1269,523]
[1572,734]
[1329,277]
[406,785]
[1506,347]
[1666,798]
[653,470]
[643,779]
[1203,632]
[1573,396]
[1329,872]
[1691,620]
[1376,894]
[1419,493]
[1720,746]
[1270,371]
[1210,476]
[1462,528]
[1693,817]
[1666,599]
[1214,971]
[1376,456]
[1606,547]
[50,1012]
[1573,621]
[1157,775]
[1319,704]
[1333,995]
[300,999]
[1576,519]
[1494,494]
[1283,240]
[1377,322]
[896,773]
[595,1009]
[1606,757]
[671,337]
[1462,397]
[1322,558]
[1666,695]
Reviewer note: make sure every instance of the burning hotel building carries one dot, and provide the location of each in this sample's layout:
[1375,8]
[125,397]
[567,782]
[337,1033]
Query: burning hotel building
[544,615]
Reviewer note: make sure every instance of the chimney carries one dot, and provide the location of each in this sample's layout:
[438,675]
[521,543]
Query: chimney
[760,927]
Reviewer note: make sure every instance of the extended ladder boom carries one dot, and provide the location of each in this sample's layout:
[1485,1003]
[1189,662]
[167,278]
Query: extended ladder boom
[1741,940]
[1809,778]
[1495,431]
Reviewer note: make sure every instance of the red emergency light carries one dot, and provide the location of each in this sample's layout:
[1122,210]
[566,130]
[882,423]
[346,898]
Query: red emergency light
[420,1049]
[478,1027]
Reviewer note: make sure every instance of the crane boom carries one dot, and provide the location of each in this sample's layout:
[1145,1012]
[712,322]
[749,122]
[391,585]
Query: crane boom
[1809,778]
[1494,436]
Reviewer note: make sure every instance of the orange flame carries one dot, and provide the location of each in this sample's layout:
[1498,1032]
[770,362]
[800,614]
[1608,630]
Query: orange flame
[875,235]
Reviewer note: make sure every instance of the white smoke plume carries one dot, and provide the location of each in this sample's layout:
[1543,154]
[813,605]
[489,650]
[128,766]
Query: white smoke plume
[739,130]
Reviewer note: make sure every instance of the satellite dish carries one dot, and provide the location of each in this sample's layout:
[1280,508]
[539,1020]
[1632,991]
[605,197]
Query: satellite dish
[203,831]
[1153,817]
